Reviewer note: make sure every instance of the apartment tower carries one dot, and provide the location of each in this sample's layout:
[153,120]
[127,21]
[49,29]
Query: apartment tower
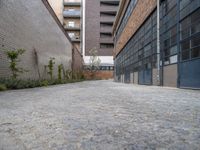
[72,20]
[99,18]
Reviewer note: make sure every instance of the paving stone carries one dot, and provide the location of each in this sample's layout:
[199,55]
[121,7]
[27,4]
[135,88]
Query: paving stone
[100,115]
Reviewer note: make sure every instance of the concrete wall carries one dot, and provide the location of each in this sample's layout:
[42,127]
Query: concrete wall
[29,25]
[132,78]
[135,77]
[170,75]
[154,77]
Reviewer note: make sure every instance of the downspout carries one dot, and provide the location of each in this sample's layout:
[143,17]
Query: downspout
[158,42]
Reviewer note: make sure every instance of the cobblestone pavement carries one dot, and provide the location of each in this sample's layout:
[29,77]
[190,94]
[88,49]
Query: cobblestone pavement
[100,115]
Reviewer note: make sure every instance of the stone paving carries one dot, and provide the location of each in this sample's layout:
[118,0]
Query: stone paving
[100,115]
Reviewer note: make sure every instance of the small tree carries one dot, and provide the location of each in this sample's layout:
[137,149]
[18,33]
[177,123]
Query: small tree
[94,62]
[13,57]
[60,68]
[51,67]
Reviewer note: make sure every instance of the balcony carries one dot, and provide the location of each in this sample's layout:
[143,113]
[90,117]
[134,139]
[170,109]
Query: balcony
[72,28]
[78,4]
[111,2]
[106,40]
[109,8]
[72,14]
[76,39]
[106,29]
[107,19]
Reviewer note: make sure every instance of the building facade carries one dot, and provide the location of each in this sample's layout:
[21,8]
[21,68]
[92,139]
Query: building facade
[138,51]
[72,22]
[38,32]
[99,16]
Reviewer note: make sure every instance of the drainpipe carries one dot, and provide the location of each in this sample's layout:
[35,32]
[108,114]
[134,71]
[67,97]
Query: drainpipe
[158,42]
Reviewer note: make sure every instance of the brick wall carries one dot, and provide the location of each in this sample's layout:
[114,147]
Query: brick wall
[140,13]
[77,60]
[29,25]
[104,75]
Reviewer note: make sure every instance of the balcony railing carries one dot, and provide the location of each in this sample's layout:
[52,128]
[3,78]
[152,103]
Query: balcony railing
[72,28]
[106,40]
[71,14]
[72,3]
[75,38]
[107,19]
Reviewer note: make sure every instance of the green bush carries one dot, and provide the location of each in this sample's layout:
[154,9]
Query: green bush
[22,84]
[13,55]
[3,87]
[44,83]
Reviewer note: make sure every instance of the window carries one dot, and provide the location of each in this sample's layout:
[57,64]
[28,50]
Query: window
[195,52]
[72,35]
[185,45]
[70,9]
[185,55]
[71,23]
[106,45]
[195,41]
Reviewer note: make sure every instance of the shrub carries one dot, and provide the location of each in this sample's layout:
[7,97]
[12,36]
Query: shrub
[21,84]
[51,67]
[3,87]
[44,83]
[60,68]
[13,57]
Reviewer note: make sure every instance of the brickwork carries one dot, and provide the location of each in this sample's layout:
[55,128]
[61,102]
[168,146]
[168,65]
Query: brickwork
[77,60]
[139,15]
[99,75]
[30,26]
[93,28]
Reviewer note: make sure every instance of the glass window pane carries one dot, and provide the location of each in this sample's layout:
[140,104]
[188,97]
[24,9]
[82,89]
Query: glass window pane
[195,28]
[185,33]
[195,52]
[195,41]
[173,59]
[186,55]
[173,50]
[185,45]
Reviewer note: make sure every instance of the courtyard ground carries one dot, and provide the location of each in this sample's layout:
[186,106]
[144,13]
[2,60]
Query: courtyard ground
[100,115]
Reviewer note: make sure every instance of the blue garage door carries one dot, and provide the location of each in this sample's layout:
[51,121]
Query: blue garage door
[127,77]
[145,77]
[190,74]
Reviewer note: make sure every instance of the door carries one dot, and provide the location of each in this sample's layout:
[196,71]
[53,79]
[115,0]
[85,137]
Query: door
[189,74]
[145,77]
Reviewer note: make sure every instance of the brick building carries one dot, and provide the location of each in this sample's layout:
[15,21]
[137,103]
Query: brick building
[136,53]
[98,19]
[33,26]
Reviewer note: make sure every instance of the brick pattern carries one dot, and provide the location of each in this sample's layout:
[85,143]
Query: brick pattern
[104,75]
[92,27]
[77,60]
[139,15]
[29,25]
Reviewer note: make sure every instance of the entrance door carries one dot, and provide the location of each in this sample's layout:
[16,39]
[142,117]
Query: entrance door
[145,77]
[189,74]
